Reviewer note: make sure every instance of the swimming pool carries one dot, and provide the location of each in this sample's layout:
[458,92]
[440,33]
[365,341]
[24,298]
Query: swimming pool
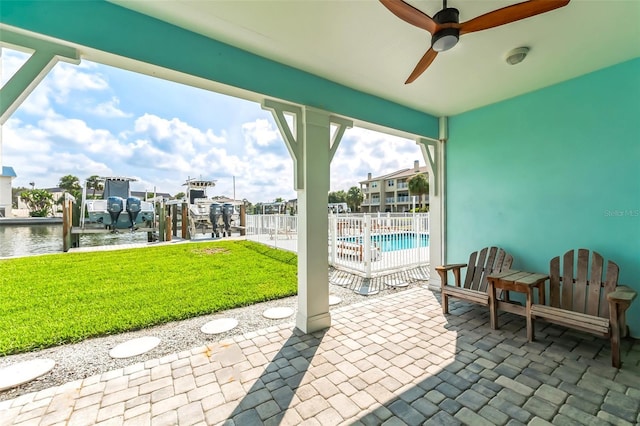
[394,242]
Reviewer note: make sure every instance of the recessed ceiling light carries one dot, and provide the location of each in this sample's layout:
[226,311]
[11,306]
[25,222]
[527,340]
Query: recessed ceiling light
[517,55]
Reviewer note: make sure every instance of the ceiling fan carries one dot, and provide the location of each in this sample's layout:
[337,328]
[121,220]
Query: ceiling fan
[445,28]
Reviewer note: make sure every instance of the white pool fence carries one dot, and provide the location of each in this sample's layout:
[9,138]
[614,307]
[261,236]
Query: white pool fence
[366,244]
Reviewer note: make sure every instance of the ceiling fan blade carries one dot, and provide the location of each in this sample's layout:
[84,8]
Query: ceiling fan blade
[410,14]
[510,14]
[423,64]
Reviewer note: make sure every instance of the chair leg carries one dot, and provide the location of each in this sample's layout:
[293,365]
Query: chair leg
[615,335]
[445,303]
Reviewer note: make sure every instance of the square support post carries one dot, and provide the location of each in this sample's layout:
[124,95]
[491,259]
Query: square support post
[312,147]
[313,223]
[433,152]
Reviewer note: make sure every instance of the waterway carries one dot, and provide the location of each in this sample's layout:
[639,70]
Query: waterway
[26,240]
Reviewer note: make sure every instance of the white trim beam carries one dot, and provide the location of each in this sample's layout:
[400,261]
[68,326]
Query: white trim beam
[342,124]
[46,55]
[293,142]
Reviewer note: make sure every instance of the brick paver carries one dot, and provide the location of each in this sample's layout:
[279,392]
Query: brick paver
[392,360]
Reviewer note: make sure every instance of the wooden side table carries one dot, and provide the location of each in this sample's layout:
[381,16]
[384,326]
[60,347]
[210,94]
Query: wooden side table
[518,281]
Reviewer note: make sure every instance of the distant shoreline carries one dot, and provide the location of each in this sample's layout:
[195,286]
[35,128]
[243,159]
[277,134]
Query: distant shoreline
[30,221]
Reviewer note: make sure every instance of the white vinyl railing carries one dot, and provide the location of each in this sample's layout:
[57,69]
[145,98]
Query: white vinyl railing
[278,230]
[366,244]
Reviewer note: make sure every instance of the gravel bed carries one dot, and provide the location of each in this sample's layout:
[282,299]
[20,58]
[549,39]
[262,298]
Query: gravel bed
[91,356]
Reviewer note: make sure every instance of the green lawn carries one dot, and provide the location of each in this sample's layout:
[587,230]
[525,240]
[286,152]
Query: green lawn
[63,298]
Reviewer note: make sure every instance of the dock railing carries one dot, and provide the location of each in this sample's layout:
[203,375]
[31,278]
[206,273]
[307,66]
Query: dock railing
[366,244]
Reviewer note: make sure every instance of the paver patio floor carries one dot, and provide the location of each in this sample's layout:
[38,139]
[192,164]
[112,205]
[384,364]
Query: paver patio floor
[392,360]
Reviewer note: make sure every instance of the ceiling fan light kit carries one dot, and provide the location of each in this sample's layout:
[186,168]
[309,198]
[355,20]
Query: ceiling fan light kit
[517,55]
[446,29]
[445,39]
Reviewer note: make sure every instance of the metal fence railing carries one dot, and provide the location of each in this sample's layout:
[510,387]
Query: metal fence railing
[366,244]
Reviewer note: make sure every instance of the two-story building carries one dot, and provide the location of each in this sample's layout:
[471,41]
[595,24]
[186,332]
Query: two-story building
[390,192]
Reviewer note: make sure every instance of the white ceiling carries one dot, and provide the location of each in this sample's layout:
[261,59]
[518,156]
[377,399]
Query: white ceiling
[360,44]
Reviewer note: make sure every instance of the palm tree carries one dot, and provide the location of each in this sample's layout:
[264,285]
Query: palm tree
[419,185]
[94,182]
[355,198]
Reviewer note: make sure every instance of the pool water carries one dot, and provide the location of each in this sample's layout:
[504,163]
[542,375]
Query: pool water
[394,242]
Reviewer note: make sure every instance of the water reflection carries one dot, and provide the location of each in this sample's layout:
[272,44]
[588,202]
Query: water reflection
[38,239]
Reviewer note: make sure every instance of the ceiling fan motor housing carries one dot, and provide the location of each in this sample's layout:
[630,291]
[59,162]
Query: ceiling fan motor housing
[446,38]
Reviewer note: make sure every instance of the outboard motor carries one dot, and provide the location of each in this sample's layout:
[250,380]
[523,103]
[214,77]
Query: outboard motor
[114,207]
[227,211]
[133,208]
[215,212]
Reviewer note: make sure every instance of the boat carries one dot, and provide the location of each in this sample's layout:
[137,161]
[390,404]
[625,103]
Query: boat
[216,215]
[117,209]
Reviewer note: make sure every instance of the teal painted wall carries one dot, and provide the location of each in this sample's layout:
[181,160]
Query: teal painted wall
[550,171]
[111,28]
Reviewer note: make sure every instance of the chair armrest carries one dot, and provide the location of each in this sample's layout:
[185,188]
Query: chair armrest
[442,271]
[450,267]
[622,294]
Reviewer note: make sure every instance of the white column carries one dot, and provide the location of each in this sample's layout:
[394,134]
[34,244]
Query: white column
[313,225]
[433,152]
[312,147]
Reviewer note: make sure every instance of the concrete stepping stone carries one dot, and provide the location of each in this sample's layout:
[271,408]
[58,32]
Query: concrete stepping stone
[218,326]
[278,313]
[23,372]
[134,347]
[341,279]
[396,282]
[334,300]
[366,289]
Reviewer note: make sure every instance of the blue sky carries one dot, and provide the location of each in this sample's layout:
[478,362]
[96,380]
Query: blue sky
[93,119]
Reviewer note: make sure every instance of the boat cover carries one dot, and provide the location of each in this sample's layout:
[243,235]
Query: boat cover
[116,188]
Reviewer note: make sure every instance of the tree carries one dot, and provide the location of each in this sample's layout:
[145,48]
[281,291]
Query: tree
[279,200]
[338,197]
[94,182]
[419,185]
[70,184]
[179,196]
[354,198]
[39,201]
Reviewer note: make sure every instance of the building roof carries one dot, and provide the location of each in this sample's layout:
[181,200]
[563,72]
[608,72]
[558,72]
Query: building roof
[8,172]
[397,174]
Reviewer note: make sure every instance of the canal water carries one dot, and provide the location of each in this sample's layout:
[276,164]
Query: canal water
[26,240]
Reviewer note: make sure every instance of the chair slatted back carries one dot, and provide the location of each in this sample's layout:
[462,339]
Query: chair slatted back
[482,263]
[579,286]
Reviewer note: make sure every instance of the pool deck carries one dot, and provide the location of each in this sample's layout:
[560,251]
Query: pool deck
[392,360]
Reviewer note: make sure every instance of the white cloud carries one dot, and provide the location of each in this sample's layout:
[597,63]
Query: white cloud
[259,134]
[57,85]
[31,151]
[67,77]
[21,137]
[109,109]
[175,135]
[97,141]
